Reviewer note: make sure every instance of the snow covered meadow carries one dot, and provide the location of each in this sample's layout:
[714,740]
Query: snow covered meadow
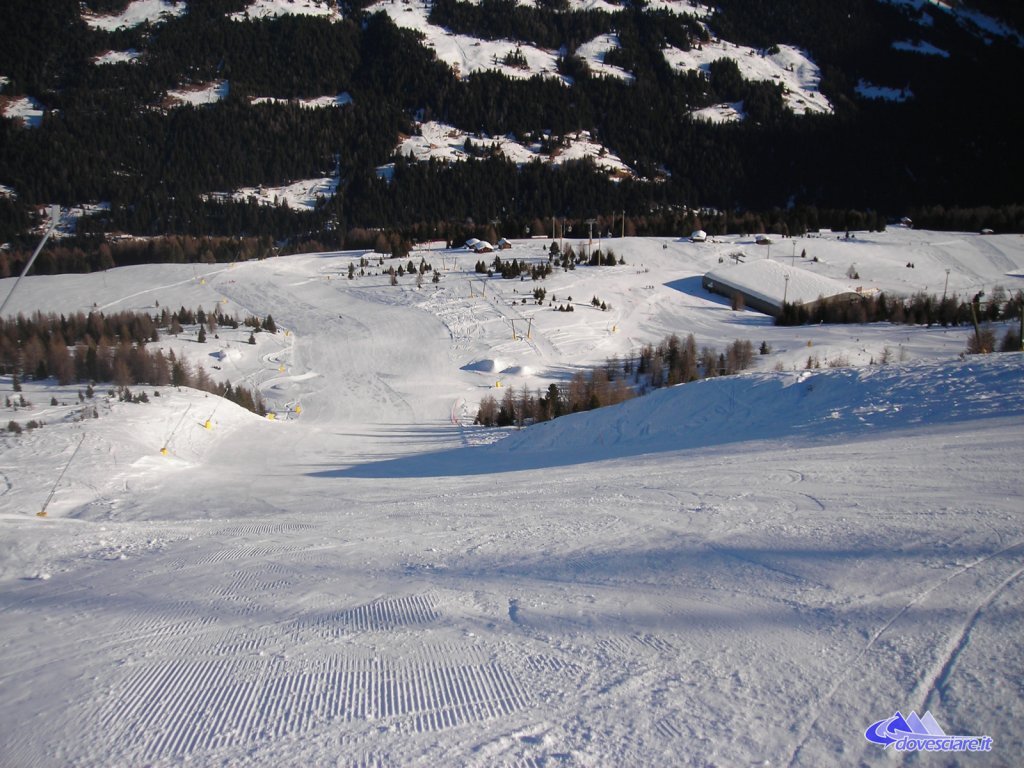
[746,570]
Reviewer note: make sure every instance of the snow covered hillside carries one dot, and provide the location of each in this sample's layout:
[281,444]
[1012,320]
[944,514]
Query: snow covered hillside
[789,66]
[136,13]
[745,570]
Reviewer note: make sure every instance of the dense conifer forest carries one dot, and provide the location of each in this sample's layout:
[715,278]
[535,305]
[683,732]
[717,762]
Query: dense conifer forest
[947,157]
[95,347]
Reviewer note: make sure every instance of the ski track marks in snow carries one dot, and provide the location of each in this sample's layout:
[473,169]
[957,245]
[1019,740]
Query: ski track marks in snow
[125,299]
[932,680]
[202,683]
[471,319]
[936,680]
[378,616]
[176,708]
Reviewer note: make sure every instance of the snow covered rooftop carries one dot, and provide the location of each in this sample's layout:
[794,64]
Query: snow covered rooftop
[774,282]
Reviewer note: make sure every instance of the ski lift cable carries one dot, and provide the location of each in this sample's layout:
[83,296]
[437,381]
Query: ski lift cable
[54,216]
[42,512]
[171,436]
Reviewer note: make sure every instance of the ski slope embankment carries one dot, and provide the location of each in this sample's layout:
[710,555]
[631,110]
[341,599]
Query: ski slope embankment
[813,405]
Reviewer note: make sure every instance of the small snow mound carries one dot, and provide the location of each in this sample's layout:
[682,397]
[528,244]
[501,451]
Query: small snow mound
[227,354]
[517,370]
[485,366]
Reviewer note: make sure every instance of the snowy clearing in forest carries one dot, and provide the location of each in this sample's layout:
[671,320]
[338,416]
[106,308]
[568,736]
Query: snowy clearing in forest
[136,13]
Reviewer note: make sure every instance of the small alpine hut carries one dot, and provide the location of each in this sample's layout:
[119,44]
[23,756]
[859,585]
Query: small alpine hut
[699,236]
[504,244]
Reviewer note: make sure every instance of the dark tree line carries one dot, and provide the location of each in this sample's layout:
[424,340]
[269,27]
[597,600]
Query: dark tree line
[107,134]
[546,27]
[555,26]
[95,254]
[670,362]
[96,347]
[678,361]
[90,253]
[584,392]
[920,309]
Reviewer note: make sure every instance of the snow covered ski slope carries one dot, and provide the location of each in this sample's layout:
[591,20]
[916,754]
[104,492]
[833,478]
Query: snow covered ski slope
[750,570]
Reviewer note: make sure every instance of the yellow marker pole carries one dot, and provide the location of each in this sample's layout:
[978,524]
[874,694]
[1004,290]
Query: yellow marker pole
[208,424]
[271,416]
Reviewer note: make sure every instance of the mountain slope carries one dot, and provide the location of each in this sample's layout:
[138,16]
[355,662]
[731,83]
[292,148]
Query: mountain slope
[798,82]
